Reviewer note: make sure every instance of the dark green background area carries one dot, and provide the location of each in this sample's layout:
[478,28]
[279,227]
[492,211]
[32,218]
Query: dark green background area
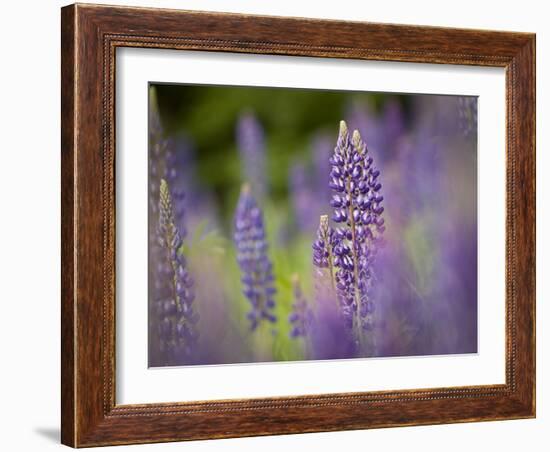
[290,118]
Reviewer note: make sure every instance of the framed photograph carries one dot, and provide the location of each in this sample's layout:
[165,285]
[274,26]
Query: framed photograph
[281,225]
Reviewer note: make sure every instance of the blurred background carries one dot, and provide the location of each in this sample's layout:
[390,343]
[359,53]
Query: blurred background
[292,121]
[279,141]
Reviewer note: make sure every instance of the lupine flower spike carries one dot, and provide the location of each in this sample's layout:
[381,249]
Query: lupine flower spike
[251,144]
[256,268]
[323,259]
[177,320]
[301,317]
[358,211]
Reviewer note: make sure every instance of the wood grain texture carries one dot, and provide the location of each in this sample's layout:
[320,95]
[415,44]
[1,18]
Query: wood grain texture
[90,36]
[67,226]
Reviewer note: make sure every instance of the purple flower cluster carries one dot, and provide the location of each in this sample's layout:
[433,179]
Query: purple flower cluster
[349,249]
[251,144]
[256,268]
[161,274]
[176,317]
[301,317]
[322,250]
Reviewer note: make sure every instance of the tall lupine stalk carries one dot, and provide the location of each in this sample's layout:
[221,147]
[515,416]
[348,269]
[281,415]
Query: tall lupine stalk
[350,248]
[301,317]
[160,149]
[177,319]
[256,268]
[323,260]
[251,144]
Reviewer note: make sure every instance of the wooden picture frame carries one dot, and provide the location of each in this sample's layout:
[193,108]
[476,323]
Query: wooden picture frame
[90,37]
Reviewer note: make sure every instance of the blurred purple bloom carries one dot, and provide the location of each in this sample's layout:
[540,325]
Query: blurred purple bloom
[393,124]
[322,151]
[183,171]
[256,268]
[177,319]
[308,187]
[304,199]
[162,165]
[301,316]
[361,117]
[467,114]
[329,338]
[382,131]
[251,144]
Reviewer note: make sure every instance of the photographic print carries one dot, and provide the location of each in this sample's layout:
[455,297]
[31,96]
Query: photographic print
[294,224]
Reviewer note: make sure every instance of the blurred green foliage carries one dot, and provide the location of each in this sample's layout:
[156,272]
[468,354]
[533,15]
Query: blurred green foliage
[290,117]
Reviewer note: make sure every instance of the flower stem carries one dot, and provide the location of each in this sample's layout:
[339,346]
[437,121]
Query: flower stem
[354,255]
[331,269]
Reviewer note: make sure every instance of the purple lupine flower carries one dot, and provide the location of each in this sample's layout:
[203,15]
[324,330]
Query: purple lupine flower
[251,144]
[323,259]
[301,316]
[345,280]
[322,247]
[159,270]
[176,317]
[256,268]
[357,208]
